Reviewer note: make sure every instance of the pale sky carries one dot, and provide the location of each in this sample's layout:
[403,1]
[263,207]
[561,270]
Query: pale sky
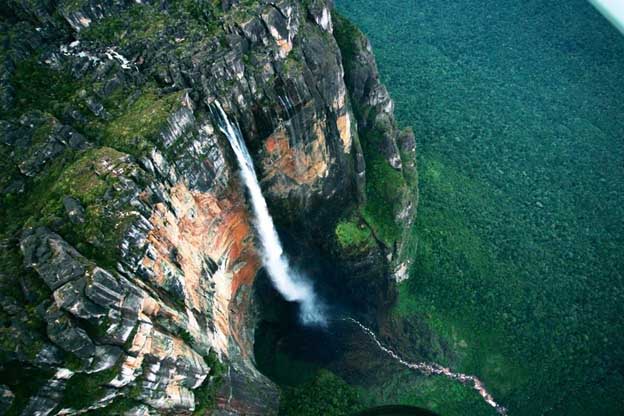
[613,10]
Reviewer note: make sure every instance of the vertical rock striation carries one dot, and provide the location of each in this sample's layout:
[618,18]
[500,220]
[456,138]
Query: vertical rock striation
[128,259]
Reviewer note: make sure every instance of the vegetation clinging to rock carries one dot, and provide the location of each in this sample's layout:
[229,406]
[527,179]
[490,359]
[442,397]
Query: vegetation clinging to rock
[354,235]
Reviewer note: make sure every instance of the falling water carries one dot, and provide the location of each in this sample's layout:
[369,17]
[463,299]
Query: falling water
[295,287]
[433,368]
[292,285]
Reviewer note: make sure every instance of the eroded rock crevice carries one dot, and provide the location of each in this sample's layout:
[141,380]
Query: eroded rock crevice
[128,253]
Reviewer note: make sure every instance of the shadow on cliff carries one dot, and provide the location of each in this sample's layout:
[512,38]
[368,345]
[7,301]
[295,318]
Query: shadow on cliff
[290,353]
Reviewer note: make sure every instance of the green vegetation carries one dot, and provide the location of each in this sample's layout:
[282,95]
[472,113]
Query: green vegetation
[385,190]
[282,368]
[13,375]
[519,223]
[82,175]
[141,22]
[135,112]
[325,395]
[39,87]
[275,363]
[205,395]
[87,180]
[293,64]
[349,38]
[72,362]
[17,208]
[386,187]
[22,329]
[118,407]
[82,390]
[186,337]
[145,23]
[354,235]
[71,6]
[438,394]
[133,127]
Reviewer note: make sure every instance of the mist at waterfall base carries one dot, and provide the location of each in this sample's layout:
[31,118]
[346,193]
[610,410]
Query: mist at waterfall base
[328,347]
[291,284]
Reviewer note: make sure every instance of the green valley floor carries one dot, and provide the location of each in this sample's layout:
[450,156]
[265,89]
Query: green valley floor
[518,109]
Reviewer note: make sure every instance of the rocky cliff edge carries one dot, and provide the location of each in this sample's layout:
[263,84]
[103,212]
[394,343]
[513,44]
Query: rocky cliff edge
[128,256]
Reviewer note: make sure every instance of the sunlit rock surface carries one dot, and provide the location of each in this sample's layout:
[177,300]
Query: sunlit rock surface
[128,256]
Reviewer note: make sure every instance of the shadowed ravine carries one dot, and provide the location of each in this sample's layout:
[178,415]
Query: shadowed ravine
[296,288]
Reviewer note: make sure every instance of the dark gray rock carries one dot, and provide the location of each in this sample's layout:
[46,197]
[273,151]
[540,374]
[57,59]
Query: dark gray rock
[49,356]
[75,211]
[106,356]
[67,335]
[276,69]
[71,298]
[49,396]
[39,139]
[96,107]
[6,398]
[56,261]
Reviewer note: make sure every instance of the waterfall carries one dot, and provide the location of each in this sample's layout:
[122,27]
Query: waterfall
[290,284]
[297,288]
[433,368]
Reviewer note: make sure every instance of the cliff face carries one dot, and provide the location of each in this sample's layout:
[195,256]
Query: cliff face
[128,253]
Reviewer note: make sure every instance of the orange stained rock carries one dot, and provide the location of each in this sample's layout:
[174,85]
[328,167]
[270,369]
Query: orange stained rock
[192,230]
[344,128]
[303,163]
[150,306]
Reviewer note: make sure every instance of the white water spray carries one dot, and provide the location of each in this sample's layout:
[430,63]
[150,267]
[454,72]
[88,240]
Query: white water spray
[293,286]
[437,369]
